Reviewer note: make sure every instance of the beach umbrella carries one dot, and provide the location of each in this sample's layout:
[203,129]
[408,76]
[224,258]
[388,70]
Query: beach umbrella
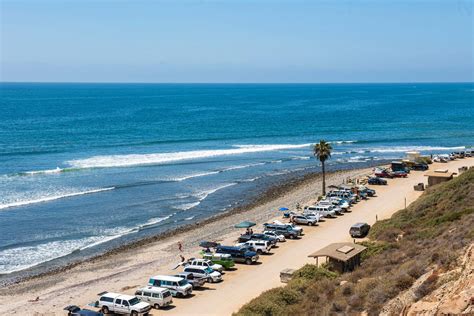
[283,209]
[245,224]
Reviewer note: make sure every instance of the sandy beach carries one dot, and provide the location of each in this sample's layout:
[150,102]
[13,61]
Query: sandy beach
[126,270]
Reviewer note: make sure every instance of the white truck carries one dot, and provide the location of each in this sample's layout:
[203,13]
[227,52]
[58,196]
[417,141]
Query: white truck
[259,246]
[205,263]
[122,304]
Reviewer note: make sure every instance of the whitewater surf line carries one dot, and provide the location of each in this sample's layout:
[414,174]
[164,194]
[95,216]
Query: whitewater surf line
[52,198]
[111,161]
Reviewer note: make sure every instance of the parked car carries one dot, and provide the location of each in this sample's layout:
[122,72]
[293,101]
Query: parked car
[377,181]
[223,259]
[259,246]
[205,263]
[359,230]
[440,158]
[305,220]
[280,238]
[298,229]
[74,310]
[204,272]
[343,194]
[331,206]
[239,254]
[245,238]
[383,174]
[340,202]
[399,174]
[322,210]
[420,166]
[369,192]
[284,230]
[178,287]
[196,282]
[157,297]
[122,304]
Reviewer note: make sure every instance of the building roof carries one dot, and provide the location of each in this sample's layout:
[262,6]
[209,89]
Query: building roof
[342,251]
[439,174]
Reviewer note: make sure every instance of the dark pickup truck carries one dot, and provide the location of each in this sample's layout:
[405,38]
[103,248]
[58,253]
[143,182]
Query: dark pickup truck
[239,254]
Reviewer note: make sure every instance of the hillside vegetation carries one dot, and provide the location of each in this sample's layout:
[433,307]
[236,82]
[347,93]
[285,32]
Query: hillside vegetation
[430,235]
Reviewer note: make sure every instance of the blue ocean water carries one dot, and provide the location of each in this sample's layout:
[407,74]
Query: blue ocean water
[87,167]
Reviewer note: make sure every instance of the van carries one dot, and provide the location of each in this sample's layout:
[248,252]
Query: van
[359,230]
[323,210]
[177,286]
[155,296]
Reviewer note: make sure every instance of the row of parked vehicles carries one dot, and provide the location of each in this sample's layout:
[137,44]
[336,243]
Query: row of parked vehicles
[453,156]
[196,272]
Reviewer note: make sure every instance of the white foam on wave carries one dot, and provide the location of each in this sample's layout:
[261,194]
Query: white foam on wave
[50,171]
[343,142]
[163,158]
[186,206]
[189,218]
[412,148]
[194,175]
[51,197]
[204,194]
[243,166]
[301,158]
[20,258]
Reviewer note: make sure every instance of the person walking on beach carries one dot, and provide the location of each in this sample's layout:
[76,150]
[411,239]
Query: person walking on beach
[180,246]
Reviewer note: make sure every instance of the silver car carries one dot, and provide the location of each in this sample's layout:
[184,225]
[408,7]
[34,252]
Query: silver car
[305,220]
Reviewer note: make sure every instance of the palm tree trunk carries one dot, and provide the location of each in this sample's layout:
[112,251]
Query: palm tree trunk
[324,178]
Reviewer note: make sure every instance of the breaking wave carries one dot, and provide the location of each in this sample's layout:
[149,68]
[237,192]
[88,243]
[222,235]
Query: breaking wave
[163,158]
[10,204]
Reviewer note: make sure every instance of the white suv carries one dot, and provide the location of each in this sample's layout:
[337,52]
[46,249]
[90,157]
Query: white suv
[259,246]
[204,272]
[206,263]
[122,304]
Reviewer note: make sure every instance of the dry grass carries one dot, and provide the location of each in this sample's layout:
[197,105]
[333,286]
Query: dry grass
[433,231]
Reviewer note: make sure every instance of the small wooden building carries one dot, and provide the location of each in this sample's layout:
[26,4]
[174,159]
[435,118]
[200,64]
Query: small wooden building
[439,176]
[343,257]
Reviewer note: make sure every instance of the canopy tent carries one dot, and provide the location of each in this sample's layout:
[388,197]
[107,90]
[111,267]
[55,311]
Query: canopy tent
[283,209]
[245,224]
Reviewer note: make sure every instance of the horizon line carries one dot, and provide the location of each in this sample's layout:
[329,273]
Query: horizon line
[229,82]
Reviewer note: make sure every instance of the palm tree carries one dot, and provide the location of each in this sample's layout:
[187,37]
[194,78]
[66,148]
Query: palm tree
[322,151]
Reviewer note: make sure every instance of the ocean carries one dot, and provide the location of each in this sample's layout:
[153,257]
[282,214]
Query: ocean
[85,168]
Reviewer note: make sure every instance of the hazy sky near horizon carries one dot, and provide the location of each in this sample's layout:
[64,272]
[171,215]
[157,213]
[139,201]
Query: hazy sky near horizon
[236,41]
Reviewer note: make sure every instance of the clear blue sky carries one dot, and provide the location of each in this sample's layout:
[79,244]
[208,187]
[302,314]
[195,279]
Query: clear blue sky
[236,41]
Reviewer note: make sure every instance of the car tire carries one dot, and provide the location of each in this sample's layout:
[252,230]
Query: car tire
[157,306]
[248,261]
[210,280]
[105,309]
[134,313]
[310,224]
[259,251]
[292,236]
